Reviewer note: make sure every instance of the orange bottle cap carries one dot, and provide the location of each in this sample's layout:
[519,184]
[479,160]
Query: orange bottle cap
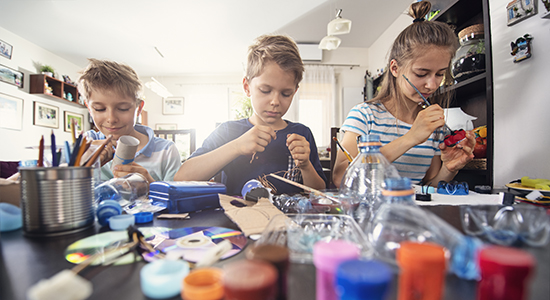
[203,284]
[428,256]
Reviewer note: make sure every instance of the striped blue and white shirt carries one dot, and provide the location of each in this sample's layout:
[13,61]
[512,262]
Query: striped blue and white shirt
[374,118]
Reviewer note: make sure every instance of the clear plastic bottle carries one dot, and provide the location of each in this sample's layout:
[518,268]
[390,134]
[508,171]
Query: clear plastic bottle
[362,183]
[399,219]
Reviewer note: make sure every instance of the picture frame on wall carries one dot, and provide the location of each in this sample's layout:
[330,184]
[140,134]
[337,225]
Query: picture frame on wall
[11,76]
[519,10]
[171,126]
[11,112]
[5,49]
[45,115]
[172,106]
[69,116]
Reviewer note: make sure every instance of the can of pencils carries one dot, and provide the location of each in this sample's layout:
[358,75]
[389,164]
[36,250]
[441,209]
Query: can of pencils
[57,200]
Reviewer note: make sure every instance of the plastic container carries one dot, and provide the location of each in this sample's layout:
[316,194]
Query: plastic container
[327,256]
[363,180]
[422,271]
[250,280]
[203,284]
[276,255]
[395,223]
[505,273]
[163,278]
[299,233]
[123,189]
[363,280]
[469,60]
[106,210]
[506,225]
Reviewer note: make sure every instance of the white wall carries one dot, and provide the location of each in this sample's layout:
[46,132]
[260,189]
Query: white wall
[24,56]
[521,98]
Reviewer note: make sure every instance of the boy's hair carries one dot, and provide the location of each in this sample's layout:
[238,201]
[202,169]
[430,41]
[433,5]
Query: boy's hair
[110,76]
[280,49]
[410,44]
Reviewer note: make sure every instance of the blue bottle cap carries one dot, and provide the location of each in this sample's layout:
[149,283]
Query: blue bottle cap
[163,278]
[121,222]
[10,217]
[398,184]
[106,209]
[359,279]
[143,217]
[369,138]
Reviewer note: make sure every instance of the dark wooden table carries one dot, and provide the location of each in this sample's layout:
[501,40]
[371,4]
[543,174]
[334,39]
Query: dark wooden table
[24,261]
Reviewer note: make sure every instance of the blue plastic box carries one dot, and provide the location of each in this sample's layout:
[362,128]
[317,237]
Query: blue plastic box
[186,196]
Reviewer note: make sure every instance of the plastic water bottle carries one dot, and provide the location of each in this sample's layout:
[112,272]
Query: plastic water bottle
[399,219]
[362,183]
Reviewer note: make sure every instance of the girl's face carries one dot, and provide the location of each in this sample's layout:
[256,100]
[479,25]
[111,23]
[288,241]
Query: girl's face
[114,114]
[271,94]
[426,73]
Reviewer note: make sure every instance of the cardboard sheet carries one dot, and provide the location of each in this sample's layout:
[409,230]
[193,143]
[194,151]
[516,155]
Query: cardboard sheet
[251,217]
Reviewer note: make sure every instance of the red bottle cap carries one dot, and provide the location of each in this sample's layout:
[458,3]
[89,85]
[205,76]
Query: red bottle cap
[250,280]
[512,263]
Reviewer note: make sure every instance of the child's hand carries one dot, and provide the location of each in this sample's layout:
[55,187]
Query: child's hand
[426,122]
[109,152]
[299,149]
[123,170]
[455,158]
[255,140]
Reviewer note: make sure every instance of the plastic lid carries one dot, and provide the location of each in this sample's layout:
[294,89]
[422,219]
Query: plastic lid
[250,279]
[121,222]
[328,255]
[507,261]
[163,278]
[106,209]
[143,217]
[398,184]
[358,279]
[268,252]
[10,217]
[428,256]
[203,284]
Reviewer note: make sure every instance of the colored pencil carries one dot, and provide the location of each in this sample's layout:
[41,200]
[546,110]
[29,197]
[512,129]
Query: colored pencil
[75,150]
[55,163]
[73,130]
[96,154]
[41,153]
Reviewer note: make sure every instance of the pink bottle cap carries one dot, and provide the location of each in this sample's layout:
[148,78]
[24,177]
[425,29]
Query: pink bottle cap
[327,256]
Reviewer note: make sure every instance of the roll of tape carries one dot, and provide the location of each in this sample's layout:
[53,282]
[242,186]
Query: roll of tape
[163,278]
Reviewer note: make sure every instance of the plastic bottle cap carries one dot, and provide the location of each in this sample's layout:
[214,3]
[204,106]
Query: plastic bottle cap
[428,256]
[106,209]
[328,255]
[121,222]
[355,279]
[163,278]
[250,279]
[202,284]
[143,217]
[10,217]
[508,261]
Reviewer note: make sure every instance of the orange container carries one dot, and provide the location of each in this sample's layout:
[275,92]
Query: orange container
[203,284]
[422,271]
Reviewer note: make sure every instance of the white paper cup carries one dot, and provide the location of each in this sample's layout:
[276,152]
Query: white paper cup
[125,151]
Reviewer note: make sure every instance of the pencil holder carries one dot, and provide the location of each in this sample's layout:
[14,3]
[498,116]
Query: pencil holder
[56,201]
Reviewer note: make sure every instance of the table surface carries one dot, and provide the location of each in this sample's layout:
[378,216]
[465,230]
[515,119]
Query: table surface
[25,260]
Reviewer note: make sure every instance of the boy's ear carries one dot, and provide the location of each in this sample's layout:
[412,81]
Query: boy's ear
[394,68]
[246,87]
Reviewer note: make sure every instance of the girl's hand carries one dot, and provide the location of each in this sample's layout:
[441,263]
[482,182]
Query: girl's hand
[426,122]
[255,140]
[299,149]
[123,170]
[455,158]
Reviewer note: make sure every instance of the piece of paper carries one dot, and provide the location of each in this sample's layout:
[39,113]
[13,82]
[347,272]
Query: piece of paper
[251,217]
[472,198]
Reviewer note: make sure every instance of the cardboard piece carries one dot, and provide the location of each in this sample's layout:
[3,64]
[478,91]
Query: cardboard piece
[251,217]
[10,192]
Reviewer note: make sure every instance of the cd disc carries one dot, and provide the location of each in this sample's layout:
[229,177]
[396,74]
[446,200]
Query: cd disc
[192,243]
[106,244]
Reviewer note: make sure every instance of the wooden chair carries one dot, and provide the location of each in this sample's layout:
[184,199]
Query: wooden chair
[186,146]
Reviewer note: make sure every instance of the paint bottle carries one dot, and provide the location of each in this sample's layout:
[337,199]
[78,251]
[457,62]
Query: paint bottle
[276,255]
[363,280]
[203,284]
[250,280]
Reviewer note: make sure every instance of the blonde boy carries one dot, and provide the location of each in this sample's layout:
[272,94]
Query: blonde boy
[264,143]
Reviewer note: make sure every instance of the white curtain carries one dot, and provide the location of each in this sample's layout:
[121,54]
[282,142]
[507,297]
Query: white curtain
[315,103]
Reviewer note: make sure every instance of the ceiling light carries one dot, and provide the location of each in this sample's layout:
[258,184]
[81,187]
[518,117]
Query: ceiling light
[158,88]
[339,25]
[329,42]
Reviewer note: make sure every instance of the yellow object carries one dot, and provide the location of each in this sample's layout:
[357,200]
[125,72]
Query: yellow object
[540,184]
[481,131]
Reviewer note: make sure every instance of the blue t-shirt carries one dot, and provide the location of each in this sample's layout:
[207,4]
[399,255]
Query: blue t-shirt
[275,159]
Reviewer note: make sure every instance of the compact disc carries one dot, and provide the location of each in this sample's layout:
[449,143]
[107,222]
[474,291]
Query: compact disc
[192,243]
[108,246]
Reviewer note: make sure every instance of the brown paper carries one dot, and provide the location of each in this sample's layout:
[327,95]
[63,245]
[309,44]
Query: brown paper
[253,217]
[10,192]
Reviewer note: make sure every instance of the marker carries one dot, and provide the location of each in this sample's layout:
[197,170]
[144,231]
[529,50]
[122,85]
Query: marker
[55,163]
[40,162]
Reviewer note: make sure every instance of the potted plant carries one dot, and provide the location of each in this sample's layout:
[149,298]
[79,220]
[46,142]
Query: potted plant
[47,70]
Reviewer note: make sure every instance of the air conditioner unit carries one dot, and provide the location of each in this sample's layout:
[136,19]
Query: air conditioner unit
[310,52]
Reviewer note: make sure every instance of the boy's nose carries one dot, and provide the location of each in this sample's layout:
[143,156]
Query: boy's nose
[275,99]
[111,117]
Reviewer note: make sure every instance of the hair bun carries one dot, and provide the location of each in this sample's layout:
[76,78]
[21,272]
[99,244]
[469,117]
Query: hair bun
[419,20]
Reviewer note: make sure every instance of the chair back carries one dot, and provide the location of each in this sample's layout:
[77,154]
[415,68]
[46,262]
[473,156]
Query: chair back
[185,140]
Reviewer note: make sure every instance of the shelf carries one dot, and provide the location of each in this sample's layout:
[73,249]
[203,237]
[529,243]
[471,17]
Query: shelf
[459,13]
[59,88]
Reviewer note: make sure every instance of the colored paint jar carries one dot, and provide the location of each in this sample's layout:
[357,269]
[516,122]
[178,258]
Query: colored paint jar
[422,271]
[203,284]
[363,280]
[250,280]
